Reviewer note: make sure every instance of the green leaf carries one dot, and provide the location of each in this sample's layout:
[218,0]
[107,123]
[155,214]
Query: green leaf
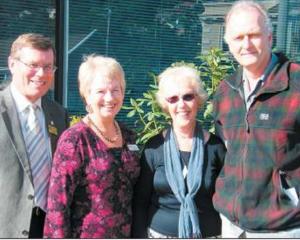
[133,102]
[131,113]
[140,110]
[150,117]
[127,107]
[147,126]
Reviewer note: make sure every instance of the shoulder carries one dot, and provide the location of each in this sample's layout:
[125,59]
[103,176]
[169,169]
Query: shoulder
[4,91]
[215,151]
[294,68]
[51,105]
[229,83]
[288,70]
[294,74]
[156,141]
[287,66]
[154,146]
[74,133]
[152,154]
[71,149]
[128,134]
[4,85]
[213,142]
[3,98]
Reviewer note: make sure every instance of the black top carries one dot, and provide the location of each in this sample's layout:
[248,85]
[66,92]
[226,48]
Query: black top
[155,205]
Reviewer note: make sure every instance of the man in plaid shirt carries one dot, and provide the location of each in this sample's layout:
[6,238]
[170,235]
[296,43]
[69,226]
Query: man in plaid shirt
[257,114]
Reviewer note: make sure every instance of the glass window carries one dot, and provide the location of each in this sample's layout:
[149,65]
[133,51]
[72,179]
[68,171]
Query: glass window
[148,35]
[143,35]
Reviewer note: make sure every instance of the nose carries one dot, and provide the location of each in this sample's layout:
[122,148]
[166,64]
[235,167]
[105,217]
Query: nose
[40,71]
[108,96]
[246,41]
[181,102]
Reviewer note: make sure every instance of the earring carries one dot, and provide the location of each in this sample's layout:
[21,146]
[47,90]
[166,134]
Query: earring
[88,108]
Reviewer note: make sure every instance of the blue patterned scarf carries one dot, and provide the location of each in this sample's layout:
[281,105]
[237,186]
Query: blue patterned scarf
[188,226]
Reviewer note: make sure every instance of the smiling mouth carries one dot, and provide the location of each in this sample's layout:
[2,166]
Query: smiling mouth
[38,83]
[247,54]
[182,113]
[109,106]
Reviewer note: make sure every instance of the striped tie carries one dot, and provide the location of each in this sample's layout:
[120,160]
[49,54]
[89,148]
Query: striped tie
[39,157]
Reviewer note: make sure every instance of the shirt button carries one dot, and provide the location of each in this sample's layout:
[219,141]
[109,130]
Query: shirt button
[25,233]
[30,197]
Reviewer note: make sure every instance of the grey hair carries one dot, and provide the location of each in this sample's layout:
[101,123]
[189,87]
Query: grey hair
[242,4]
[182,73]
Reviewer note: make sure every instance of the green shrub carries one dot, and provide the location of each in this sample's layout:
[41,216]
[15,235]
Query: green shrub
[150,117]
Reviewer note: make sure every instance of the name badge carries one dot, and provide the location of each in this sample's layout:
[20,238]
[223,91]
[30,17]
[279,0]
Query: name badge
[133,147]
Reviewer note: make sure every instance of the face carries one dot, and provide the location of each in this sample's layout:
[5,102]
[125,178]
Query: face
[32,72]
[105,97]
[182,103]
[248,40]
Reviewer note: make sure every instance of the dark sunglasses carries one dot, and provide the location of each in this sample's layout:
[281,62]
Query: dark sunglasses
[186,97]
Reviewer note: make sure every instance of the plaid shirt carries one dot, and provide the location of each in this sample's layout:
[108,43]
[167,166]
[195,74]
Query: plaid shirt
[263,150]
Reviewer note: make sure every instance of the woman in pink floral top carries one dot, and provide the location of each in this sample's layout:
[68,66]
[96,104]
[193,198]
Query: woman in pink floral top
[95,165]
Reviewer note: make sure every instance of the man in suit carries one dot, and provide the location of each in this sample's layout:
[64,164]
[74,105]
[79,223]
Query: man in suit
[30,126]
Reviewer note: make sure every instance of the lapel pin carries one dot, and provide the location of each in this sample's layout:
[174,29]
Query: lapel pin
[52,129]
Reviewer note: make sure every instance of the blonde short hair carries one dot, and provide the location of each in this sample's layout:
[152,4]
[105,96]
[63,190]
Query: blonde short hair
[246,4]
[181,73]
[93,64]
[33,40]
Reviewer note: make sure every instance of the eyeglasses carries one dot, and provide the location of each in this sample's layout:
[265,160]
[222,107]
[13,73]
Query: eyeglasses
[36,67]
[186,97]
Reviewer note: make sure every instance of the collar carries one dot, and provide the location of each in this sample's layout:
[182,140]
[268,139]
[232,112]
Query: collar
[276,79]
[273,61]
[206,134]
[20,100]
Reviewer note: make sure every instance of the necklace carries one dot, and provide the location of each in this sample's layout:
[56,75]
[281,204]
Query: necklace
[111,140]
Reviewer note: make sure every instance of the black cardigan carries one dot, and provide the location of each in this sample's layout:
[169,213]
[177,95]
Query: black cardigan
[154,204]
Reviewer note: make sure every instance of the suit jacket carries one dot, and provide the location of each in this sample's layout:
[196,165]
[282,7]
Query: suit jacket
[16,184]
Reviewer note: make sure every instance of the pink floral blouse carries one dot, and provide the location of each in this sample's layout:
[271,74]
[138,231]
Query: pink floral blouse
[91,186]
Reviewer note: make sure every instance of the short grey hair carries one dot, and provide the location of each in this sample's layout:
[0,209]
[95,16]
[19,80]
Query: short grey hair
[243,4]
[183,73]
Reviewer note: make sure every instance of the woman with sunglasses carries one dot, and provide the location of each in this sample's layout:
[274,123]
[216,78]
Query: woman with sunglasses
[173,195]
